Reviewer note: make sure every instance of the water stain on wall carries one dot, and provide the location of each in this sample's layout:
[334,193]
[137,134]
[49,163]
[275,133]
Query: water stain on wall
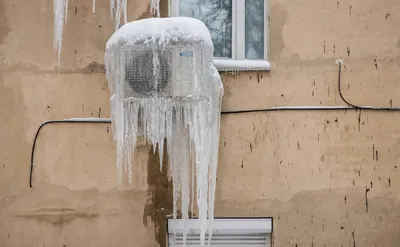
[58,216]
[159,196]
[4,28]
[279,18]
[398,43]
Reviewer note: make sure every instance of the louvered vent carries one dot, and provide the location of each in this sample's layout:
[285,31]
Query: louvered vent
[226,233]
[223,240]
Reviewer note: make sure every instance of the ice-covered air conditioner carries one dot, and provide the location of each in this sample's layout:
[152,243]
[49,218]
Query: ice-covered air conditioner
[164,85]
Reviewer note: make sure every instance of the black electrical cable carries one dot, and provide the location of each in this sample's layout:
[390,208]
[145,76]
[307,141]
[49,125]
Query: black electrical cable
[283,108]
[357,106]
[58,121]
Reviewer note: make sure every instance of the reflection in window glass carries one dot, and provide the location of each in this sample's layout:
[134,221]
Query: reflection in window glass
[217,15]
[254,46]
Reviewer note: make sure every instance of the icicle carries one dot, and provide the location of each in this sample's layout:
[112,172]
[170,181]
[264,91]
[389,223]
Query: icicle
[60,18]
[175,155]
[218,94]
[125,11]
[66,10]
[185,177]
[192,162]
[112,9]
[117,15]
[155,7]
[117,9]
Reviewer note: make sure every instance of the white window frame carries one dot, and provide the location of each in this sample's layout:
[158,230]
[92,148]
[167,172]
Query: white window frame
[238,60]
[234,227]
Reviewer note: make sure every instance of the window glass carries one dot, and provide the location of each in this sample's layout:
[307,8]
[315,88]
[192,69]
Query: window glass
[217,16]
[254,26]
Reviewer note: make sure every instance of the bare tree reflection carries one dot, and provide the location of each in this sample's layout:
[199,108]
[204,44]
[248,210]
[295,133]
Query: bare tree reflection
[254,34]
[217,16]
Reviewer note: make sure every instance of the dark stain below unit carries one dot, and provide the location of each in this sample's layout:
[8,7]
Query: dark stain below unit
[159,196]
[92,68]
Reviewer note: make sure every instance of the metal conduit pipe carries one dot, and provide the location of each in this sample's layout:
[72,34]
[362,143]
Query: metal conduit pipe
[281,108]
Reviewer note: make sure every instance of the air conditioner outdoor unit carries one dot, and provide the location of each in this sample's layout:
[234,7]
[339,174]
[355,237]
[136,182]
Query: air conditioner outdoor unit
[169,57]
[165,72]
[160,72]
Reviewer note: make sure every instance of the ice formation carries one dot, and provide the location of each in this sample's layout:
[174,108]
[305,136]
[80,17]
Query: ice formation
[60,17]
[155,7]
[117,7]
[164,86]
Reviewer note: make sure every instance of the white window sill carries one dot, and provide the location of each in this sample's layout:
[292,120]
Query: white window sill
[225,225]
[242,65]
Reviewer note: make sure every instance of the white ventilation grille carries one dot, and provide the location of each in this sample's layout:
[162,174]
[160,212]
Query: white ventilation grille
[243,232]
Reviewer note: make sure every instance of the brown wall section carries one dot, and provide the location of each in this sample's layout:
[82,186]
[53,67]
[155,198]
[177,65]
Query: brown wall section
[327,178]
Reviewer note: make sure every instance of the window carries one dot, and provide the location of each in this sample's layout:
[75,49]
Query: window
[238,29]
[240,232]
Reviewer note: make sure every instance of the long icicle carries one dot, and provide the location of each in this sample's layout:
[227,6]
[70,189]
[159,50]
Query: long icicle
[60,12]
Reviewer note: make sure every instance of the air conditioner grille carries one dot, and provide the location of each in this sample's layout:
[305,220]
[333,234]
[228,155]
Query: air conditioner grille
[140,74]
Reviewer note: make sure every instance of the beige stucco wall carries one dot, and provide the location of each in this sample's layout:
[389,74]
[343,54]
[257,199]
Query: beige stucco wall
[327,178]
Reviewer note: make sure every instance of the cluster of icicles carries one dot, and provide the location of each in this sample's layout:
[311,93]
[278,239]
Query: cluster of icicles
[179,114]
[190,126]
[117,7]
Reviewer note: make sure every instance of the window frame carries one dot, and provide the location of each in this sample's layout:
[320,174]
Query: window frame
[238,60]
[222,226]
